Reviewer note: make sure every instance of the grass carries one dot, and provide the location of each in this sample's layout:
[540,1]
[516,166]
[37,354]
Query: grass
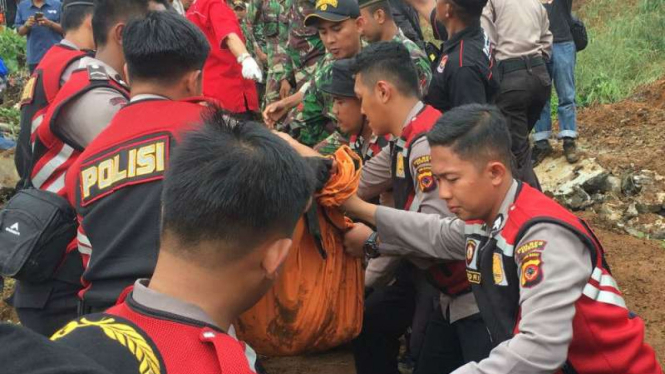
[626,49]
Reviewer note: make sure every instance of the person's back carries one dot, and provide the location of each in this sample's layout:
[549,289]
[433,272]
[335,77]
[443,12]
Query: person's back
[54,69]
[221,246]
[45,305]
[117,180]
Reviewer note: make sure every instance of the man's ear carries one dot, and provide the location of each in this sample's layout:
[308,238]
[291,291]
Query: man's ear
[274,257]
[380,16]
[117,32]
[193,83]
[383,91]
[497,172]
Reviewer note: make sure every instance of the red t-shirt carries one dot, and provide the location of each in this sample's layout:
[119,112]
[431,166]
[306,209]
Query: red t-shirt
[222,74]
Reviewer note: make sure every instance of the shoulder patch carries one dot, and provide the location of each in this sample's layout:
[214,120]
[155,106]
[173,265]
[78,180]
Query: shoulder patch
[97,73]
[124,334]
[29,91]
[136,161]
[528,247]
[442,64]
[531,269]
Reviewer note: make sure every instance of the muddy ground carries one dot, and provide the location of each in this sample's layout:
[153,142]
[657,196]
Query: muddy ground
[624,137]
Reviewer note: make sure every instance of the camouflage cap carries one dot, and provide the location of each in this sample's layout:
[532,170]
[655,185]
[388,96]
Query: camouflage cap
[333,11]
[342,79]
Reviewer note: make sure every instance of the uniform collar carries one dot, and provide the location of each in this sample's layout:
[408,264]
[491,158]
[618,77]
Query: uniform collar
[504,210]
[110,71]
[413,113]
[160,302]
[451,43]
[69,44]
[147,97]
[399,36]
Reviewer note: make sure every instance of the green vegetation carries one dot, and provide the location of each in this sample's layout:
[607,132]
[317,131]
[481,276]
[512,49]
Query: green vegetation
[12,50]
[626,49]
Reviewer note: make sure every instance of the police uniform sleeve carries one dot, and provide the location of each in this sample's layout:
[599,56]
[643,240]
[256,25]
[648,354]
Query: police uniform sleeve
[427,194]
[419,234]
[553,268]
[83,119]
[375,176]
[467,87]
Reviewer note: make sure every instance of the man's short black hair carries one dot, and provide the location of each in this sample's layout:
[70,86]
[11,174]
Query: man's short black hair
[381,5]
[468,11]
[109,12]
[163,46]
[475,132]
[237,184]
[389,61]
[74,12]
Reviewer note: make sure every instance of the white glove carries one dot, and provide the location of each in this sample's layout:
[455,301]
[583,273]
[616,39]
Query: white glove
[250,69]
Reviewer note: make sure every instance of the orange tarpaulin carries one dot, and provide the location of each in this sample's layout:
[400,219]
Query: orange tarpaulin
[316,303]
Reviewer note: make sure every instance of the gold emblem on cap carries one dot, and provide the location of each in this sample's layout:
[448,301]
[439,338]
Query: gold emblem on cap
[323,4]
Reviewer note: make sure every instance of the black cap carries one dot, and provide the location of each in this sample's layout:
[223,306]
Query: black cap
[69,3]
[341,81]
[333,11]
[365,3]
[239,4]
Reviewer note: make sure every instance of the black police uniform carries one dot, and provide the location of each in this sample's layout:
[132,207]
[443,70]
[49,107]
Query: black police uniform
[463,74]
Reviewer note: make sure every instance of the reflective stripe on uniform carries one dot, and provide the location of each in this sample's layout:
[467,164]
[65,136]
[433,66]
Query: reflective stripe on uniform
[47,170]
[84,245]
[35,123]
[607,297]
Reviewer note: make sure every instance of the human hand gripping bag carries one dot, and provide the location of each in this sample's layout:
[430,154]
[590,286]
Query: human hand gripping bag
[317,301]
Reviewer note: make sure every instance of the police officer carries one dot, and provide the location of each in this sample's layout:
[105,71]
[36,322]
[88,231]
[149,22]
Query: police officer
[82,108]
[311,120]
[211,267]
[463,73]
[379,25]
[162,106]
[519,31]
[53,71]
[387,85]
[538,273]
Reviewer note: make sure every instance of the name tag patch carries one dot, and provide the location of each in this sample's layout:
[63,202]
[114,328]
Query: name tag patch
[136,162]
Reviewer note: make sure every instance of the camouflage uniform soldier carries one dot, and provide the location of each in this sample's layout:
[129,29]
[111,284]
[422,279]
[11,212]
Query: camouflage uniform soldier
[379,25]
[272,16]
[251,41]
[311,120]
[304,47]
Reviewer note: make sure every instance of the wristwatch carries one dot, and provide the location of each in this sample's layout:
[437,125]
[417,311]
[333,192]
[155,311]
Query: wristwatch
[371,246]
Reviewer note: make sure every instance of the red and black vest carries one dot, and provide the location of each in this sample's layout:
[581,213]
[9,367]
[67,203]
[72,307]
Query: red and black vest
[377,143]
[607,338]
[450,276]
[52,153]
[115,186]
[131,338]
[38,94]
[187,346]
